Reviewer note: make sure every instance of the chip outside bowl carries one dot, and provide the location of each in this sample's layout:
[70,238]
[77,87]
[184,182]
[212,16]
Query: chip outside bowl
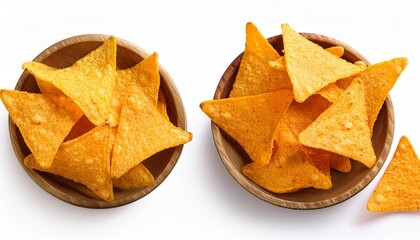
[345,185]
[63,54]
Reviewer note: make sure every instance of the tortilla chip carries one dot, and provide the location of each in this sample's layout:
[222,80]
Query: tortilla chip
[138,176]
[162,105]
[251,120]
[331,92]
[142,132]
[84,160]
[309,66]
[343,128]
[89,82]
[280,63]
[255,76]
[81,127]
[378,80]
[399,187]
[146,74]
[44,120]
[289,169]
[340,163]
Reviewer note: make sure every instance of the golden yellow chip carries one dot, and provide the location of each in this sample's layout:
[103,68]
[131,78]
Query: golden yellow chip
[89,82]
[331,92]
[378,80]
[399,187]
[146,74]
[255,76]
[280,63]
[138,176]
[44,120]
[162,104]
[310,67]
[343,127]
[289,169]
[84,160]
[142,132]
[251,121]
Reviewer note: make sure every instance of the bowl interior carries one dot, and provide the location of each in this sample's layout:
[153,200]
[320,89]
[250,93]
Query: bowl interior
[64,54]
[345,185]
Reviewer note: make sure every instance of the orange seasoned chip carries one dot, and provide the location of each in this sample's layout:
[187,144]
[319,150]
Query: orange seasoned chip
[378,80]
[81,127]
[289,169]
[255,76]
[89,82]
[251,120]
[340,163]
[84,160]
[310,67]
[146,74]
[138,176]
[399,187]
[44,120]
[343,128]
[280,63]
[142,132]
[331,92]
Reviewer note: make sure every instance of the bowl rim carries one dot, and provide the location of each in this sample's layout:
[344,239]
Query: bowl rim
[266,195]
[170,91]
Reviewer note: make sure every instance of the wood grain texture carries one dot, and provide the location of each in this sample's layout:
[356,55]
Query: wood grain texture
[345,185]
[64,54]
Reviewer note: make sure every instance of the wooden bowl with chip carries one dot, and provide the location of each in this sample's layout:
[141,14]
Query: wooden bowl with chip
[64,54]
[344,185]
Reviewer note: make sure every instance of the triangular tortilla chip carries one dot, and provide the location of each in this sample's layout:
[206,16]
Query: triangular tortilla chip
[138,176]
[255,76]
[44,120]
[142,132]
[146,74]
[251,120]
[378,80]
[289,168]
[343,128]
[89,82]
[399,187]
[331,92]
[280,63]
[310,67]
[84,160]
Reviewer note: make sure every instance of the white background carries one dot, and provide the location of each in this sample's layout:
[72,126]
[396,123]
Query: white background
[196,41]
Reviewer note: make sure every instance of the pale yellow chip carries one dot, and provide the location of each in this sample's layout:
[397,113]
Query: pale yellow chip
[343,127]
[310,67]
[146,74]
[138,176]
[84,160]
[289,169]
[251,120]
[142,132]
[44,120]
[89,82]
[255,76]
[378,80]
[399,187]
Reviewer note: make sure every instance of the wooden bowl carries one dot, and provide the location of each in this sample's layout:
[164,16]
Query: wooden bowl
[64,54]
[345,185]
